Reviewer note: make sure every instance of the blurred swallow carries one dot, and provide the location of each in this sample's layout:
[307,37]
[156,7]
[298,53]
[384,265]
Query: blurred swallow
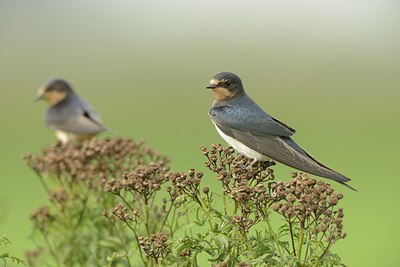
[72,118]
[255,134]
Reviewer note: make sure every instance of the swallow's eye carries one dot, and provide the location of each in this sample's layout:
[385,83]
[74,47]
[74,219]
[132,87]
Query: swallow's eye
[228,83]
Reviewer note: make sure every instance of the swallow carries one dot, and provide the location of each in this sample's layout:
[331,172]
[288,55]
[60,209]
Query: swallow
[72,118]
[255,134]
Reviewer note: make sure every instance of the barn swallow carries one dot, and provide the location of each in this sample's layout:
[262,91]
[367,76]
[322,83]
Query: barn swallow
[257,135]
[72,118]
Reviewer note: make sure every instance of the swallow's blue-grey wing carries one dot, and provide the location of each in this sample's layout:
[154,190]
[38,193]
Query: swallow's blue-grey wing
[280,148]
[75,116]
[250,118]
[89,111]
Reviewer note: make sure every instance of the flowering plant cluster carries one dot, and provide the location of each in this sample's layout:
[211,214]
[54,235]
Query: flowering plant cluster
[117,203]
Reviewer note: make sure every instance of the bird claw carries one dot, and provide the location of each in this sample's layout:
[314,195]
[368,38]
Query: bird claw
[248,167]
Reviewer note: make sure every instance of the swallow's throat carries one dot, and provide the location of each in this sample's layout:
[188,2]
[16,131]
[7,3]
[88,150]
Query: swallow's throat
[221,93]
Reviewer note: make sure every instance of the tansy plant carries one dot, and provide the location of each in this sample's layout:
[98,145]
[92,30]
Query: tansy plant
[115,202]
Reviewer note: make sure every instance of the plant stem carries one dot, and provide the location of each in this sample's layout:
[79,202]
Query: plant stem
[171,226]
[195,264]
[146,222]
[225,211]
[206,211]
[275,239]
[292,237]
[308,246]
[323,254]
[81,213]
[300,241]
[137,241]
[46,188]
[326,250]
[248,245]
[123,243]
[188,221]
[166,216]
[126,203]
[52,252]
[235,208]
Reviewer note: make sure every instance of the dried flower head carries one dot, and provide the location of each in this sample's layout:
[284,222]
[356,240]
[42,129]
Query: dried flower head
[33,255]
[123,214]
[188,183]
[155,246]
[146,180]
[242,180]
[42,218]
[92,161]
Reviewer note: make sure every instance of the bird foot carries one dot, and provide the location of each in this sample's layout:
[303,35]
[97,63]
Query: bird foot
[250,166]
[245,168]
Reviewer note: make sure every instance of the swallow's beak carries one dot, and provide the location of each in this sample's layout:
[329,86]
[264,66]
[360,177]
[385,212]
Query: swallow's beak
[38,98]
[211,86]
[40,94]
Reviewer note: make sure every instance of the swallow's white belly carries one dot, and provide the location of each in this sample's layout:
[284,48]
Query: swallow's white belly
[66,137]
[241,148]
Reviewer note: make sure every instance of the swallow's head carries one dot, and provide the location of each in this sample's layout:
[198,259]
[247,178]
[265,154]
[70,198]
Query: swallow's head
[54,91]
[226,85]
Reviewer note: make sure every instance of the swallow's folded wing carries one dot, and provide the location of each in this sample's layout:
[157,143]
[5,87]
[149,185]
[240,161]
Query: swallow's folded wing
[75,116]
[89,111]
[279,148]
[80,125]
[250,119]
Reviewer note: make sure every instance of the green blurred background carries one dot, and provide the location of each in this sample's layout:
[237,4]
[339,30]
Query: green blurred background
[330,69]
